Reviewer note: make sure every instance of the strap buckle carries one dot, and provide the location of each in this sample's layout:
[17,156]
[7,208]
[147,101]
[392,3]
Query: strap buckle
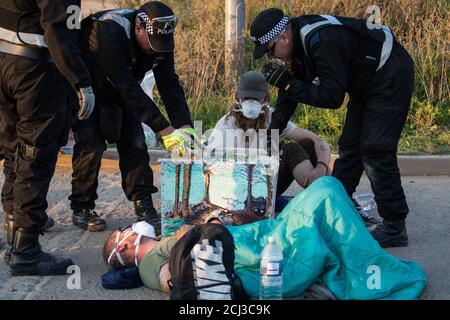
[28,151]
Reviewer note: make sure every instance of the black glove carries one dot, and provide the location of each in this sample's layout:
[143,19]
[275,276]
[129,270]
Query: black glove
[86,99]
[277,75]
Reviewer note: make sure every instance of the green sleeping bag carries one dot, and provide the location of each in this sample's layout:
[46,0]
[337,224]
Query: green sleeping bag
[323,238]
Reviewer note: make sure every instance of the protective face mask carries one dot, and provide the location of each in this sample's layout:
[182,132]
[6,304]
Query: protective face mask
[141,229]
[251,109]
[145,229]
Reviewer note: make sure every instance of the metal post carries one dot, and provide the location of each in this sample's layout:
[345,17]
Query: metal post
[234,41]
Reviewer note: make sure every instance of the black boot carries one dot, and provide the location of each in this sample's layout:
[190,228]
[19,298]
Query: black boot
[145,211]
[28,259]
[391,234]
[88,219]
[10,230]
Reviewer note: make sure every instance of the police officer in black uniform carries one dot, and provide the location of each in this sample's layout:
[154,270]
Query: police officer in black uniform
[326,56]
[120,47]
[39,60]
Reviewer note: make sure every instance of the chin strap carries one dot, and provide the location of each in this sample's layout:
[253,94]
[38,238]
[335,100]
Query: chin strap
[137,242]
[118,242]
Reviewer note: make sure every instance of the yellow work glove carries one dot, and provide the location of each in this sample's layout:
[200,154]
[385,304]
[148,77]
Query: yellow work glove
[191,139]
[175,142]
[190,131]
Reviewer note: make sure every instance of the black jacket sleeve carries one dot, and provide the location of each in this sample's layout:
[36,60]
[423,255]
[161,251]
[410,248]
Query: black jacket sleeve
[62,42]
[171,92]
[108,50]
[331,59]
[284,110]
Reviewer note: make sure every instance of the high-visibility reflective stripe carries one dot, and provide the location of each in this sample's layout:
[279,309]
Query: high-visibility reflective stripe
[25,38]
[387,47]
[117,16]
[330,20]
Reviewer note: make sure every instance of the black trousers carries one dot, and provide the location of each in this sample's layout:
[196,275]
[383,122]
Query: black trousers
[137,176]
[35,114]
[372,129]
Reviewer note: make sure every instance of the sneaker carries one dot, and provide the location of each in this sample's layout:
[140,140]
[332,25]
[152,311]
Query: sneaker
[368,218]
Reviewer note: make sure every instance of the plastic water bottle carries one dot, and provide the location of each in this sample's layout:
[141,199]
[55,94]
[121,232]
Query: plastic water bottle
[366,202]
[271,270]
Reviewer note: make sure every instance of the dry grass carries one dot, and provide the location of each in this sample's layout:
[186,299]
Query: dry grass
[420,25]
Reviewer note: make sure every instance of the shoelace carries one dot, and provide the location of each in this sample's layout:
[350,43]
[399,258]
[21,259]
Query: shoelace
[92,213]
[365,215]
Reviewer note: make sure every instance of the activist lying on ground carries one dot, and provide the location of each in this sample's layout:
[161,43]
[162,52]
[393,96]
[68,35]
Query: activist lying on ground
[322,237]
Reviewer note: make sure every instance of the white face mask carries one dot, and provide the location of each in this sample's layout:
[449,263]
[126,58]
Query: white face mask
[145,229]
[141,229]
[251,108]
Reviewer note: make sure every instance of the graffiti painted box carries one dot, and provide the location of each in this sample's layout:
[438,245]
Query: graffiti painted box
[236,187]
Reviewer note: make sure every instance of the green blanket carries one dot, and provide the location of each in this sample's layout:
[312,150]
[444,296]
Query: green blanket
[323,238]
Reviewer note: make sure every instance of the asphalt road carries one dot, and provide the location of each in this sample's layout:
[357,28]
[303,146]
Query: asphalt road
[428,227]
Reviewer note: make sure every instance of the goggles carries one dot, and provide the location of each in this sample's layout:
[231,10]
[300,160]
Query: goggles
[164,25]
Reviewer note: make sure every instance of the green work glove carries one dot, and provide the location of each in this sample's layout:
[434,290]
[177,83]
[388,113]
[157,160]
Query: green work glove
[191,138]
[189,131]
[175,142]
[192,142]
[277,75]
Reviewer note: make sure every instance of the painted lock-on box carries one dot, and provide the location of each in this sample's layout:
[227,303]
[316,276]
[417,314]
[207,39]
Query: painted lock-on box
[238,188]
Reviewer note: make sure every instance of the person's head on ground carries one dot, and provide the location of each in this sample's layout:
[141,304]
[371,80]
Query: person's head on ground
[252,101]
[127,246]
[154,28]
[272,35]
